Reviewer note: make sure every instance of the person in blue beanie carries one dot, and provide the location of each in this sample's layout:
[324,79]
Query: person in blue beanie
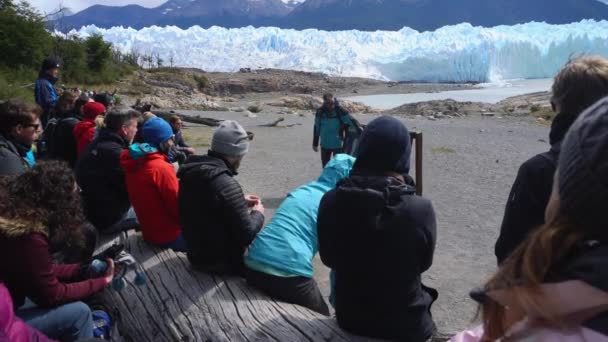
[280,259]
[44,91]
[153,186]
[379,237]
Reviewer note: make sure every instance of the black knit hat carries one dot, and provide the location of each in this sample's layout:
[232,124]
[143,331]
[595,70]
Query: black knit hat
[50,63]
[583,168]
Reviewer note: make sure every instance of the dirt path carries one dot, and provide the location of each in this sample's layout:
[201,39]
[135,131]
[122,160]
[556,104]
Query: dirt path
[469,166]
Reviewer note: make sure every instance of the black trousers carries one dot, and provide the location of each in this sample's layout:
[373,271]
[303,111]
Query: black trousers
[295,290]
[326,154]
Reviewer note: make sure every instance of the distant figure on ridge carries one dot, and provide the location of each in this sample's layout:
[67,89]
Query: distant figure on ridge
[329,129]
[379,237]
[280,259]
[44,91]
[219,221]
[581,83]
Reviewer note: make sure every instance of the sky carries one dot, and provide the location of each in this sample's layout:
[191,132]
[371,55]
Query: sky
[48,6]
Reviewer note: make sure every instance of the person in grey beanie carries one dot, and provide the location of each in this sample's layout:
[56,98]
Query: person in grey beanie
[554,286]
[217,219]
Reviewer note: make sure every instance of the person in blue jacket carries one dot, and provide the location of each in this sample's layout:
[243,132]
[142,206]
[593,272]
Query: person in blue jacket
[331,123]
[280,259]
[45,93]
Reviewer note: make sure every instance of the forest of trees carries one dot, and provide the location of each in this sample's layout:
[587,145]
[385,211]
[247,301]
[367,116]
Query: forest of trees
[25,42]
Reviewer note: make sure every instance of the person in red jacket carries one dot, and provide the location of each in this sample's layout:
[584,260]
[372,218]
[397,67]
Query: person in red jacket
[84,131]
[37,207]
[153,186]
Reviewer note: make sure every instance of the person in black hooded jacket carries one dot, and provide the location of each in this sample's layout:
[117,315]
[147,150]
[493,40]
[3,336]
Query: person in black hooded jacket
[578,85]
[218,221]
[379,237]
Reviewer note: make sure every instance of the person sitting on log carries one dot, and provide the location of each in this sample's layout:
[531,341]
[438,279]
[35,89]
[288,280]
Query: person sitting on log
[180,144]
[581,83]
[329,128]
[84,131]
[280,259]
[379,237]
[153,186]
[219,221]
[101,177]
[20,127]
[554,286]
[37,208]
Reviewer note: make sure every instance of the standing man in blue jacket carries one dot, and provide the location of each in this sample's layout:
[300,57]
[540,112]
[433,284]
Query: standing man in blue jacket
[330,123]
[46,96]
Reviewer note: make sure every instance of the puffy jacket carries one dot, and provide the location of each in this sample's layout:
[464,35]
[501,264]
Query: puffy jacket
[289,242]
[329,127]
[45,94]
[152,186]
[576,289]
[217,223]
[525,209]
[84,133]
[13,160]
[12,329]
[102,179]
[30,271]
[379,237]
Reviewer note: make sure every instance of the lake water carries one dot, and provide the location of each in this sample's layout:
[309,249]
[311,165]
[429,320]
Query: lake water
[490,93]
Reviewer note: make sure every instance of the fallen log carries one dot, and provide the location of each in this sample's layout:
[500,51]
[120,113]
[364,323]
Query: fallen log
[178,303]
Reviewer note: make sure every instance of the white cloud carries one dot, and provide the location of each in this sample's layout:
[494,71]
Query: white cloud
[47,6]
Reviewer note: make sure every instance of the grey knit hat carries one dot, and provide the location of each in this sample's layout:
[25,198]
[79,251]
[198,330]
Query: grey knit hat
[583,168]
[230,139]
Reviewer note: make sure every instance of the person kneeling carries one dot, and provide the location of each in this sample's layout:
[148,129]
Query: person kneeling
[36,208]
[379,237]
[219,221]
[280,259]
[152,185]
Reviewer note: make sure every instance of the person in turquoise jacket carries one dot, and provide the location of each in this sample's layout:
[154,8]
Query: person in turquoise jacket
[332,122]
[280,259]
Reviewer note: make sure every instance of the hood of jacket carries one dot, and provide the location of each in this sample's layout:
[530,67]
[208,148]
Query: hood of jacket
[208,166]
[14,147]
[337,169]
[82,127]
[15,228]
[373,196]
[559,127]
[138,154]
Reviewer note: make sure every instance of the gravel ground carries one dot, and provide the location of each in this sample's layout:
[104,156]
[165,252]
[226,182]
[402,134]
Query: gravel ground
[468,186]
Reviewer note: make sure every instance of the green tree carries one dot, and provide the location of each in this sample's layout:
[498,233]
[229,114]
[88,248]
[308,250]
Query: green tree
[23,38]
[99,53]
[73,54]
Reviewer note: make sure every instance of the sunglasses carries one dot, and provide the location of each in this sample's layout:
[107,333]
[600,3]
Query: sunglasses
[36,126]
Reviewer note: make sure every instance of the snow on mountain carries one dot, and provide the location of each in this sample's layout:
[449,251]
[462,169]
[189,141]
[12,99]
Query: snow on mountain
[453,53]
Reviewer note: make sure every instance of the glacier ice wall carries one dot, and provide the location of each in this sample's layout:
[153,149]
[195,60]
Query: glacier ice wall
[452,53]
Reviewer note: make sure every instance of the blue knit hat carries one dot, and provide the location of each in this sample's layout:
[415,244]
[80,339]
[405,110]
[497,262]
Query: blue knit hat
[156,131]
[384,146]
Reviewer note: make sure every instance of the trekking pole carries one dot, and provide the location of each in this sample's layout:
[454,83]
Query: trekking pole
[416,138]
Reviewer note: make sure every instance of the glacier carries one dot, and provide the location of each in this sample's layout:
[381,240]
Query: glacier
[459,53]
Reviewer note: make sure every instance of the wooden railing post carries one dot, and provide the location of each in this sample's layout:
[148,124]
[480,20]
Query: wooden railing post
[416,139]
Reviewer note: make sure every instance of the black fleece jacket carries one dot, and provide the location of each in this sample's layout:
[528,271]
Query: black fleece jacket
[379,237]
[216,222]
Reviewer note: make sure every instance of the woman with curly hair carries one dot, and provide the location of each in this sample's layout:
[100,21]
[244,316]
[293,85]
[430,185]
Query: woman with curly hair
[554,287]
[38,208]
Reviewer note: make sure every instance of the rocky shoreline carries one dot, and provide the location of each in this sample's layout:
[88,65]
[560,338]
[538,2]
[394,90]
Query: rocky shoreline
[299,93]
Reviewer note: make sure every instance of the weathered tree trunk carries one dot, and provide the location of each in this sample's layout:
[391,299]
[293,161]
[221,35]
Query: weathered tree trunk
[178,303]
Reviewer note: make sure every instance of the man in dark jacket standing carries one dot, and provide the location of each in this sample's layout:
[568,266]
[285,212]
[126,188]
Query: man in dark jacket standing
[44,92]
[379,237]
[101,176]
[218,220]
[580,84]
[20,127]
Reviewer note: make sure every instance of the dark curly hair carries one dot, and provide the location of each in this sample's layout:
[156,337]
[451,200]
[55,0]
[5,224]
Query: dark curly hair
[47,195]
